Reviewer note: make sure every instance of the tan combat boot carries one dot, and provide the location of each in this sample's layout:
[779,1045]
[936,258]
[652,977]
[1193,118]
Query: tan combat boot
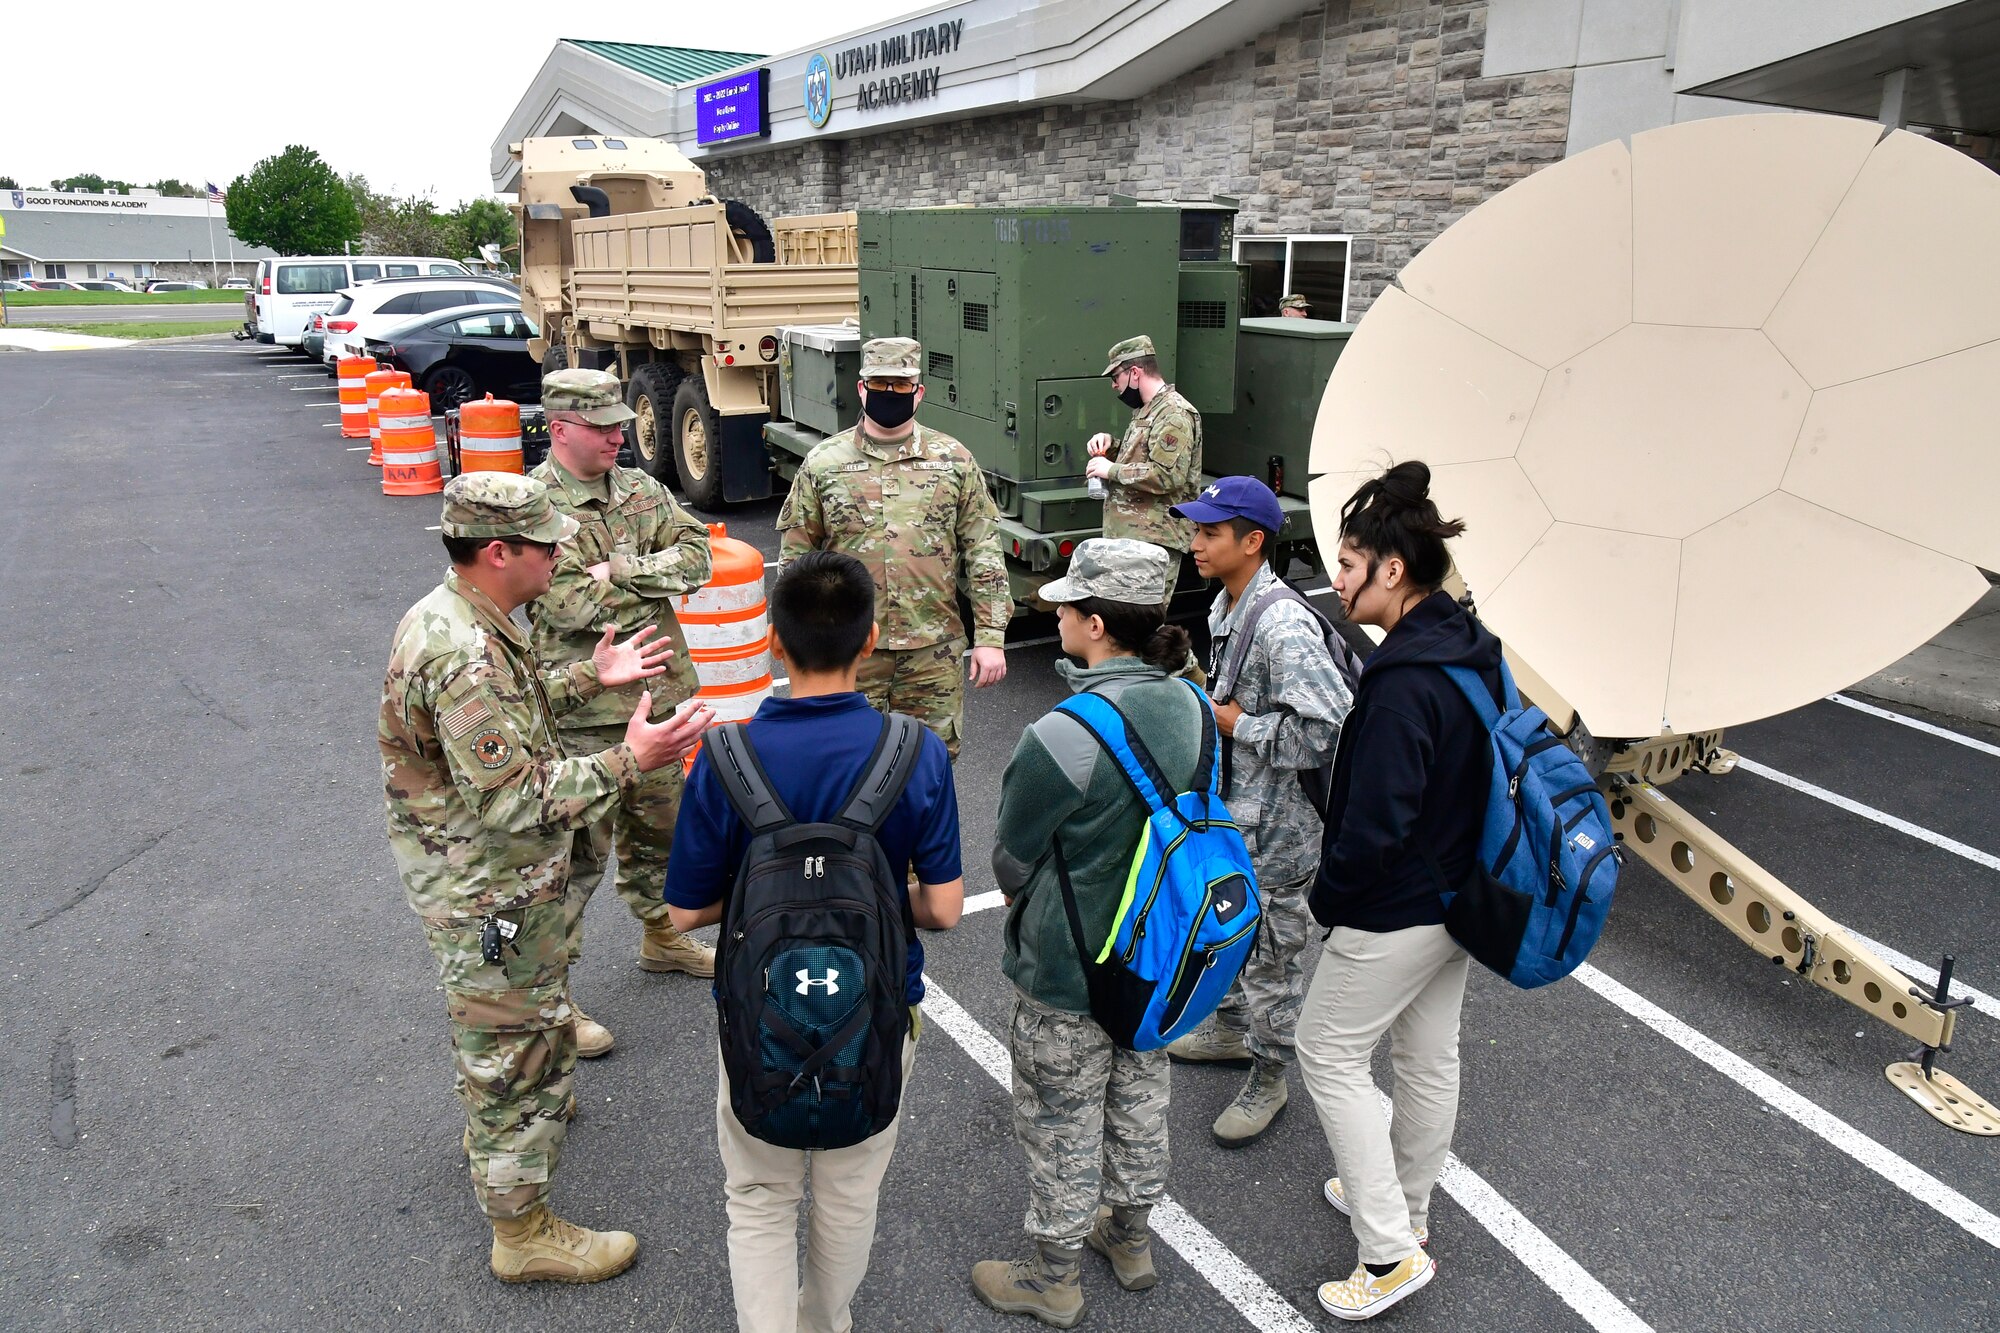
[1123,1236]
[541,1247]
[592,1037]
[664,949]
[1244,1120]
[1211,1044]
[1047,1286]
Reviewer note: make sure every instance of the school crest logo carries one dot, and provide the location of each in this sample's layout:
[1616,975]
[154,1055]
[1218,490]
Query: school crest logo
[819,92]
[20,198]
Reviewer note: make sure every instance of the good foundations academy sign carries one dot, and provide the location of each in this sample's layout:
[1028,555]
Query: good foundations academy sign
[870,59]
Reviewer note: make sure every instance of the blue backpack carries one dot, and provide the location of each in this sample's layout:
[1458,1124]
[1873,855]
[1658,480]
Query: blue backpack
[1548,864]
[1188,919]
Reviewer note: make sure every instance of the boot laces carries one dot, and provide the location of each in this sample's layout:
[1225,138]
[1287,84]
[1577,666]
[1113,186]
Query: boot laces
[568,1235]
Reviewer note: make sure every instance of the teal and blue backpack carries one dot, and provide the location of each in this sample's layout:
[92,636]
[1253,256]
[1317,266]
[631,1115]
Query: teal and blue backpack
[1548,863]
[1189,915]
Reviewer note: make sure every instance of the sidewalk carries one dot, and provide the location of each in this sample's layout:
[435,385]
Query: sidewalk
[22,339]
[1956,674]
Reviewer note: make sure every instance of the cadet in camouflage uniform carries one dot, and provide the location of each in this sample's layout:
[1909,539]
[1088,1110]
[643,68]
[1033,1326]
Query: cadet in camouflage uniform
[1294,307]
[1091,1115]
[482,806]
[1158,464]
[636,549]
[1282,713]
[909,502]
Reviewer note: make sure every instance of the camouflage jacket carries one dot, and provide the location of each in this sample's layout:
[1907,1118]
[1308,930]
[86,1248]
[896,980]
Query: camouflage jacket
[481,801]
[657,550]
[919,517]
[1293,701]
[1159,466]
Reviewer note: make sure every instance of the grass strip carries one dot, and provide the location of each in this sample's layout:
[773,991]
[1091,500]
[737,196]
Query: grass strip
[152,328]
[210,296]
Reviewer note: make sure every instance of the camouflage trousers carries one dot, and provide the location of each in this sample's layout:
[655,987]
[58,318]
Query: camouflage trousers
[1265,1001]
[640,830]
[926,683]
[1093,1118]
[515,1051]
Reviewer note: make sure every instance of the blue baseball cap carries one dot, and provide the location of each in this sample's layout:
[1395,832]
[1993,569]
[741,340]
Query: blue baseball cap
[1233,497]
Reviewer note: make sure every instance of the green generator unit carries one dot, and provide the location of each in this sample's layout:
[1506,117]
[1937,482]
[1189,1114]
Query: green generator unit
[1016,308]
[1282,368]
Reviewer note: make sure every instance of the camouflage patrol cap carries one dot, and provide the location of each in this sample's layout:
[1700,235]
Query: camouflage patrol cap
[592,395]
[891,359]
[502,506]
[1118,569]
[1293,302]
[1130,350]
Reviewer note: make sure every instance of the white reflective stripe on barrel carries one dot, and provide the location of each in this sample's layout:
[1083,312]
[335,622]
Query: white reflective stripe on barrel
[721,598]
[735,634]
[733,671]
[735,707]
[347,383]
[401,460]
[354,409]
[403,423]
[490,444]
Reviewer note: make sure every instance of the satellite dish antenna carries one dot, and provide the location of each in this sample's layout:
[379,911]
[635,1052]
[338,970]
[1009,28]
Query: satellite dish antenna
[1715,409]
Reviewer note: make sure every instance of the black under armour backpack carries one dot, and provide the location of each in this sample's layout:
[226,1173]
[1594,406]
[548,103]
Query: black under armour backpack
[812,966]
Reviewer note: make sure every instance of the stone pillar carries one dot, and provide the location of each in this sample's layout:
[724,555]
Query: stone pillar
[820,184]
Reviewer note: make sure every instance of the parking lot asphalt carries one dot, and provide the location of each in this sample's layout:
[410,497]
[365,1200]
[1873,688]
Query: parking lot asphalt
[226,1085]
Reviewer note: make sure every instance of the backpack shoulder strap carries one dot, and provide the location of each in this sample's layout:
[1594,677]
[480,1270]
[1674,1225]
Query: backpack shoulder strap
[1479,696]
[743,778]
[1208,760]
[1106,725]
[1245,634]
[888,771]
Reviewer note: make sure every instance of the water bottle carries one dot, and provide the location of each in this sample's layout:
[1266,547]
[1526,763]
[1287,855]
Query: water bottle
[1094,488]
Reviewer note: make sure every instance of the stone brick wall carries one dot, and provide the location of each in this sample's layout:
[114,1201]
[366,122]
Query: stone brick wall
[1365,117]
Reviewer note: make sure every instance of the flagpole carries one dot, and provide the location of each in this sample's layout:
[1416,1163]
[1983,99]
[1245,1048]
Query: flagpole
[210,206]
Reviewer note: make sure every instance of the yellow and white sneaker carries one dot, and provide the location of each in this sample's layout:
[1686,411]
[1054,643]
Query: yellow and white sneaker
[1363,1295]
[1339,1202]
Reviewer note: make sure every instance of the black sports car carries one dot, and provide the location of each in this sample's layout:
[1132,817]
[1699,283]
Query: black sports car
[456,355]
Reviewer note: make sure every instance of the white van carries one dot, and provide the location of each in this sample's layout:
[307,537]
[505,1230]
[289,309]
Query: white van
[288,292]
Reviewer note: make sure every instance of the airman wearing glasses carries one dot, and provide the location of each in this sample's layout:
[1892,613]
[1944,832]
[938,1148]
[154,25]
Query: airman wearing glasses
[909,502]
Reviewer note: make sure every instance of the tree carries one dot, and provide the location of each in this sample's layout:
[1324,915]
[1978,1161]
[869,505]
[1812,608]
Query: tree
[177,189]
[91,181]
[485,222]
[9,183]
[293,203]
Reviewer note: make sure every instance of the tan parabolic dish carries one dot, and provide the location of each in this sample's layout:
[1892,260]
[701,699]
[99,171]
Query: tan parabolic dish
[1718,411]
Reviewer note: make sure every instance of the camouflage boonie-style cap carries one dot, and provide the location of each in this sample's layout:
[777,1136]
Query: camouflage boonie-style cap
[1293,302]
[892,359]
[503,506]
[1118,569]
[1130,350]
[593,395]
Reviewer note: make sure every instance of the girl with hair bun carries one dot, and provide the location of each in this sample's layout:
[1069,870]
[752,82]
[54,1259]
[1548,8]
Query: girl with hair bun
[1404,817]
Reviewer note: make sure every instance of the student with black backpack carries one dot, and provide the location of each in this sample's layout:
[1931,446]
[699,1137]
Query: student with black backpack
[1405,816]
[798,833]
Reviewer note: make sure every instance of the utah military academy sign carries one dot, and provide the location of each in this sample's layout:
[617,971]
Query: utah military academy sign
[859,62]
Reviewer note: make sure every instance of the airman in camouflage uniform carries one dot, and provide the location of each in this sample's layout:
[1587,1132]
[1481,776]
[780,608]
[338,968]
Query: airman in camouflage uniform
[1158,464]
[482,805]
[911,504]
[1283,709]
[1294,307]
[636,549]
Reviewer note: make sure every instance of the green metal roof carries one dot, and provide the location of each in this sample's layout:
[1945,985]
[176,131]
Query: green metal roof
[668,64]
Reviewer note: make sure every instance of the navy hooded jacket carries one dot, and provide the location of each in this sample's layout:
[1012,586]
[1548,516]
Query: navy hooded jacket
[1411,773]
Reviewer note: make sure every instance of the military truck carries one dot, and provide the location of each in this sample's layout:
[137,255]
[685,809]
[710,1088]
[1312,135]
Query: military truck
[739,339]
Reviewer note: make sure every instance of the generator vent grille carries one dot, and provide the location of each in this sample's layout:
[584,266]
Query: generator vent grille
[941,365]
[977,317]
[1204,315]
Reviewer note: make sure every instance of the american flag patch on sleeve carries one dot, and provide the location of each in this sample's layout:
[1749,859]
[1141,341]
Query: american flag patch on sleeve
[465,717]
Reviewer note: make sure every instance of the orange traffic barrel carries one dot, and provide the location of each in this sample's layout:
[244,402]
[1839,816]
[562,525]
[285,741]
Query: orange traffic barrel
[354,372]
[376,383]
[409,444]
[727,629]
[489,436]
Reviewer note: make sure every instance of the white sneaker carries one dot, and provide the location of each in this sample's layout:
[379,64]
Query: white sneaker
[1334,1196]
[1363,1295]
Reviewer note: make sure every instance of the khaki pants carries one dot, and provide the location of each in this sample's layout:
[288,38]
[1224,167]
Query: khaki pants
[1411,985]
[765,1185]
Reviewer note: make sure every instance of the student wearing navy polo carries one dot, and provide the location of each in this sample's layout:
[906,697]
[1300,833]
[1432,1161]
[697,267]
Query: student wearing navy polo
[814,747]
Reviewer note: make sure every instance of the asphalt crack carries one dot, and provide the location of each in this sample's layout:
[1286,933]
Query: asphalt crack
[209,704]
[97,882]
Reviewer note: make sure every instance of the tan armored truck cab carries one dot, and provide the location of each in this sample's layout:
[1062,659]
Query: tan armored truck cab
[628,264]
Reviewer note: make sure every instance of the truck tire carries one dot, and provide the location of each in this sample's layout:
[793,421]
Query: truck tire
[697,439]
[556,358]
[651,395]
[746,222]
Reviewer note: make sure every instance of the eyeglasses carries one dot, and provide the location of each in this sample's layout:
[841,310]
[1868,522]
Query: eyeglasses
[546,548]
[890,386]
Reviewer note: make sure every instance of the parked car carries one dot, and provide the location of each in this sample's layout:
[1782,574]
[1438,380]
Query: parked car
[54,285]
[103,285]
[315,339]
[362,312]
[178,286]
[286,291]
[236,285]
[456,355]
[14,285]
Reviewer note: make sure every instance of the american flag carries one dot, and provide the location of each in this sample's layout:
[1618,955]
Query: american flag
[214,193]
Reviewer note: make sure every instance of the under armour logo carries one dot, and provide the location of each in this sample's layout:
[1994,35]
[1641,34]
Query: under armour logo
[807,981]
[815,867]
[1213,492]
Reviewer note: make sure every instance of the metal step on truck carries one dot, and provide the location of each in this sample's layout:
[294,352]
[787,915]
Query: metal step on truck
[739,339]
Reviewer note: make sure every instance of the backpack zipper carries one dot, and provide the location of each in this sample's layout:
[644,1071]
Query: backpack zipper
[1582,895]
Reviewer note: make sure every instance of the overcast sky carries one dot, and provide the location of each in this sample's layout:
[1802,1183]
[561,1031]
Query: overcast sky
[411,95]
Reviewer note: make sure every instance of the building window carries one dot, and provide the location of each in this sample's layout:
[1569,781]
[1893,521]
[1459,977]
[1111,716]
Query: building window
[55,270]
[1313,266]
[92,274]
[13,272]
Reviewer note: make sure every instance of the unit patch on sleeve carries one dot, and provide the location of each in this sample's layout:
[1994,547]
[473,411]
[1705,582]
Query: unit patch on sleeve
[491,748]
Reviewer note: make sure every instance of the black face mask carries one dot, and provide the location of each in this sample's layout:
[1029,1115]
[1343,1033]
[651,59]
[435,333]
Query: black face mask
[890,410]
[1129,395]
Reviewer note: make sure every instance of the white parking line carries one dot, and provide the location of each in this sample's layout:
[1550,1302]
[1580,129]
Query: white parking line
[1906,1176]
[1926,973]
[358,449]
[1914,724]
[1250,1294]
[1869,812]
[315,388]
